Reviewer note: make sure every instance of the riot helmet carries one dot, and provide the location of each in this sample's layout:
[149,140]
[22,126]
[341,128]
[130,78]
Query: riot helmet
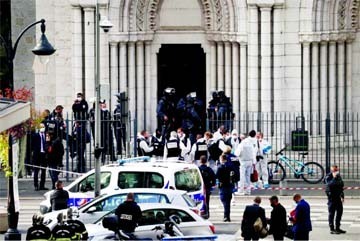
[169,91]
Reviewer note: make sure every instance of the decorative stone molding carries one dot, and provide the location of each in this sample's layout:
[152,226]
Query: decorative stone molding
[131,36]
[341,12]
[355,14]
[153,6]
[140,15]
[218,14]
[334,36]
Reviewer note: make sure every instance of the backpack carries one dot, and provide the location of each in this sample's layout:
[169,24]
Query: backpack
[247,153]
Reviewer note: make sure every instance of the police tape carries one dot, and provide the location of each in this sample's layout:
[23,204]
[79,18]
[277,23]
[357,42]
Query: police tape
[301,188]
[53,169]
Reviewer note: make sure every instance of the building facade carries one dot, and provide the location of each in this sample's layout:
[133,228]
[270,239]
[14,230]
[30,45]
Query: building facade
[267,55]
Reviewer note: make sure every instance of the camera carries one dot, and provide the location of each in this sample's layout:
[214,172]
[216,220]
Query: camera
[105,24]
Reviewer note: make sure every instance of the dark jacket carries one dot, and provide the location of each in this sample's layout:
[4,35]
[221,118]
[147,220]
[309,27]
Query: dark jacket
[78,228]
[251,213]
[55,152]
[59,199]
[302,217]
[334,187]
[80,109]
[62,232]
[38,232]
[278,220]
[208,176]
[129,214]
[36,147]
[225,174]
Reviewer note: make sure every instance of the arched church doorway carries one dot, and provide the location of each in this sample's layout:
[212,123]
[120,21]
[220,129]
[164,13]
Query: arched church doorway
[182,66]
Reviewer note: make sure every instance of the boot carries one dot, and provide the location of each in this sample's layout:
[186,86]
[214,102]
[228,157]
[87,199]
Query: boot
[339,231]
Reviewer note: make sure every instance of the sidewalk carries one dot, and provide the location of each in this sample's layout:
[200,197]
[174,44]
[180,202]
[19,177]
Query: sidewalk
[26,188]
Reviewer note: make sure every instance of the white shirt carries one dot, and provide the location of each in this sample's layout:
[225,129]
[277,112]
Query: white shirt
[144,145]
[253,142]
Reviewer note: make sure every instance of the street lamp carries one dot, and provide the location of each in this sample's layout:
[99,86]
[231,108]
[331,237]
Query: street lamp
[43,48]
[106,25]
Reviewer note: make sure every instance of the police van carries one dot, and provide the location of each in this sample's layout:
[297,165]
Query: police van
[138,172]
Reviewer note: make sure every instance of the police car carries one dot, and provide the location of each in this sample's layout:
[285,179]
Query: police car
[135,173]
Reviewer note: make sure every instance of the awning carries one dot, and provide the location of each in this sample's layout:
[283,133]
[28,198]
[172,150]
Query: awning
[13,112]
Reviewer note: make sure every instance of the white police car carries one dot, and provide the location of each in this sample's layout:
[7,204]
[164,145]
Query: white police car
[132,173]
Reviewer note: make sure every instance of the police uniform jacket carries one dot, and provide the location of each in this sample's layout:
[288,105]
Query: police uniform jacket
[129,214]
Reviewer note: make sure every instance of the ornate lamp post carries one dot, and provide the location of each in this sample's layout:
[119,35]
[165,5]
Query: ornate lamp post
[42,48]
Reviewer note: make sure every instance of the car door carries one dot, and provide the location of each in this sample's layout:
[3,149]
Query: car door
[101,207]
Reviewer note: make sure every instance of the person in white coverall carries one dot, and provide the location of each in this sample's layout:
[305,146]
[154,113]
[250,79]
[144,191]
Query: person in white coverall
[261,161]
[246,151]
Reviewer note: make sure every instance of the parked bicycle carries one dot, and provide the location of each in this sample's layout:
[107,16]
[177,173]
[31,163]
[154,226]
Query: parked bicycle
[311,172]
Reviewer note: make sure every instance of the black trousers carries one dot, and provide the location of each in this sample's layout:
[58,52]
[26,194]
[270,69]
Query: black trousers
[42,163]
[278,236]
[335,207]
[301,235]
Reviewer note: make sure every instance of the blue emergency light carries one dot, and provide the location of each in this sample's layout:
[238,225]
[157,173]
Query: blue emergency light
[134,160]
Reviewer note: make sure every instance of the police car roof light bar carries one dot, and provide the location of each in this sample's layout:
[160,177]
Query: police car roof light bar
[134,159]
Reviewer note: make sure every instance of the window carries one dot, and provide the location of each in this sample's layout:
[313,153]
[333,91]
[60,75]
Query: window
[140,180]
[159,216]
[111,203]
[190,202]
[88,184]
[188,180]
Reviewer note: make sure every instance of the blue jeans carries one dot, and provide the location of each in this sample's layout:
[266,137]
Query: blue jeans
[225,197]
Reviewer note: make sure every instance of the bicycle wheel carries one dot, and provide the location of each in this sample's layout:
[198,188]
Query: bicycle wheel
[276,172]
[312,172]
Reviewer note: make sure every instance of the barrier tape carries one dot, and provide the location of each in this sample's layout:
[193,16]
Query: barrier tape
[53,169]
[301,188]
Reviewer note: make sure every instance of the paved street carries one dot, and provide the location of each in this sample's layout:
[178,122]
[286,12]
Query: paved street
[351,217]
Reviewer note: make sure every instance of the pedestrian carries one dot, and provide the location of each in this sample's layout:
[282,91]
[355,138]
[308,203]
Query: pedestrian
[263,148]
[59,198]
[225,174]
[39,158]
[143,147]
[38,231]
[246,151]
[216,147]
[251,214]
[80,108]
[209,179]
[278,219]
[78,227]
[173,147]
[335,195]
[80,137]
[185,151]
[54,156]
[119,123]
[129,214]
[106,132]
[234,162]
[301,220]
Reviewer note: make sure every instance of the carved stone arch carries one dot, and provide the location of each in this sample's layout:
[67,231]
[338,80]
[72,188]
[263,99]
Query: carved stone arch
[126,15]
[132,15]
[332,14]
[226,14]
[325,15]
[341,14]
[354,14]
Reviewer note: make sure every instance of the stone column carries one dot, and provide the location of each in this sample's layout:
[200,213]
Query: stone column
[332,78]
[323,78]
[315,92]
[265,59]
[77,51]
[207,51]
[114,74]
[253,60]
[235,80]
[154,81]
[306,78]
[213,66]
[220,66]
[123,68]
[340,107]
[243,79]
[132,81]
[348,77]
[89,32]
[140,87]
[227,47]
[148,124]
[278,49]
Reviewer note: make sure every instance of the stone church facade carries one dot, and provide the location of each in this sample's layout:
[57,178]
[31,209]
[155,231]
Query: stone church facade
[267,55]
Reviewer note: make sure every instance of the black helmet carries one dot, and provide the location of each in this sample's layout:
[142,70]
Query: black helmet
[214,94]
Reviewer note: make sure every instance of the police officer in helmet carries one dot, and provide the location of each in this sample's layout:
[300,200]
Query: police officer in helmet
[166,111]
[129,214]
[61,231]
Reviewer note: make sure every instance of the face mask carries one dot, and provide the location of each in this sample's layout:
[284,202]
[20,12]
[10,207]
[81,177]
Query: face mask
[42,129]
[78,98]
[336,173]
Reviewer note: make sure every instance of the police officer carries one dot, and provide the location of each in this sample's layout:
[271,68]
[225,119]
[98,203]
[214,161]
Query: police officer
[119,126]
[173,146]
[335,194]
[225,174]
[61,231]
[185,151]
[224,110]
[78,227]
[200,147]
[38,231]
[143,147]
[166,112]
[106,132]
[209,179]
[212,111]
[80,108]
[156,141]
[129,214]
[56,123]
